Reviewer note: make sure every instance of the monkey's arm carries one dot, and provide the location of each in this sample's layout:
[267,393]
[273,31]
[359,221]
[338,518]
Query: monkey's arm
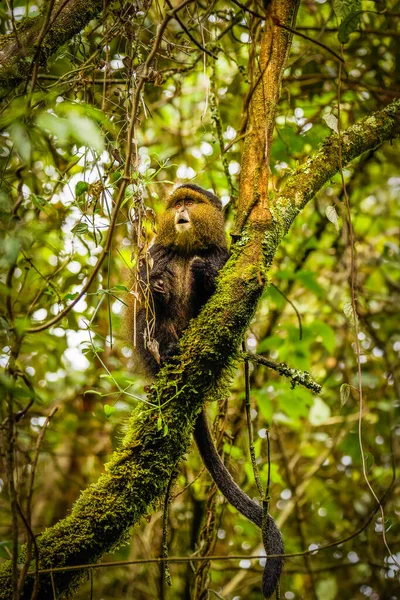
[158,275]
[205,269]
[157,337]
[272,537]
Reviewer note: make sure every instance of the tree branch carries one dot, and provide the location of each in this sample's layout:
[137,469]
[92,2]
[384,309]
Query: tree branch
[302,185]
[18,49]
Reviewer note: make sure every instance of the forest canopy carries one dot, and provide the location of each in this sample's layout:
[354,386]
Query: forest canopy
[289,112]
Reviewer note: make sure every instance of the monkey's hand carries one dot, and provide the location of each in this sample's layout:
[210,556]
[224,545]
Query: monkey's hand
[204,274]
[160,290]
[198,265]
[158,287]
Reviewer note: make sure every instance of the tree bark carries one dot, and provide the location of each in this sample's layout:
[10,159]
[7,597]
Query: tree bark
[19,49]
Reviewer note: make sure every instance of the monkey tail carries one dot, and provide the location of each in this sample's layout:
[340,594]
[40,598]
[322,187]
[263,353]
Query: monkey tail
[272,537]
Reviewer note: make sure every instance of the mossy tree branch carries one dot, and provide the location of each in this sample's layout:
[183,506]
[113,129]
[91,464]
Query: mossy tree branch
[302,185]
[18,49]
[138,473]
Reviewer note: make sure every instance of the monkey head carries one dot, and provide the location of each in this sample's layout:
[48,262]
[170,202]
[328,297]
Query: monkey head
[192,222]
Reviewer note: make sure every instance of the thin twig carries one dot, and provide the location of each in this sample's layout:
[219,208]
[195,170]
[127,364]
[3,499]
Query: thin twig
[20,196]
[165,572]
[216,118]
[298,315]
[250,427]
[183,559]
[289,29]
[27,520]
[306,37]
[199,474]
[185,29]
[35,60]
[292,483]
[296,376]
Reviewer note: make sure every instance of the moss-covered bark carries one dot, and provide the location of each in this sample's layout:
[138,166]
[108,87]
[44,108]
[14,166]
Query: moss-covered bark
[17,51]
[302,185]
[266,78]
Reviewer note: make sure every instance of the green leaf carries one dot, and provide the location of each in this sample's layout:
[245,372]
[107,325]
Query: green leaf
[343,8]
[327,588]
[369,461]
[276,477]
[81,187]
[319,328]
[348,311]
[295,403]
[97,393]
[332,122]
[4,325]
[348,26]
[319,412]
[271,343]
[345,390]
[10,250]
[56,126]
[308,279]
[264,405]
[70,296]
[121,288]
[332,216]
[22,142]
[39,202]
[109,410]
[80,228]
[233,451]
[86,132]
[21,324]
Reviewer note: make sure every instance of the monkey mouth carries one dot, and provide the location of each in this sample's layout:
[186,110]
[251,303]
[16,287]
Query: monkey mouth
[182,220]
[182,226]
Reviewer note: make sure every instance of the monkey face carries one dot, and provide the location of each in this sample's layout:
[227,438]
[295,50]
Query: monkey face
[191,223]
[182,216]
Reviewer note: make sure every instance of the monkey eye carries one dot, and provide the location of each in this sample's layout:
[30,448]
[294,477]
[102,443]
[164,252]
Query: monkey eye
[189,203]
[178,205]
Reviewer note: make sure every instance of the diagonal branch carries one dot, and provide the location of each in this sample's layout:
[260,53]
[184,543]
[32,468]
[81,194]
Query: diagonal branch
[19,49]
[302,185]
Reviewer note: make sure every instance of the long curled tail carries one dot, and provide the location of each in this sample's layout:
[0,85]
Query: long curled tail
[272,537]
